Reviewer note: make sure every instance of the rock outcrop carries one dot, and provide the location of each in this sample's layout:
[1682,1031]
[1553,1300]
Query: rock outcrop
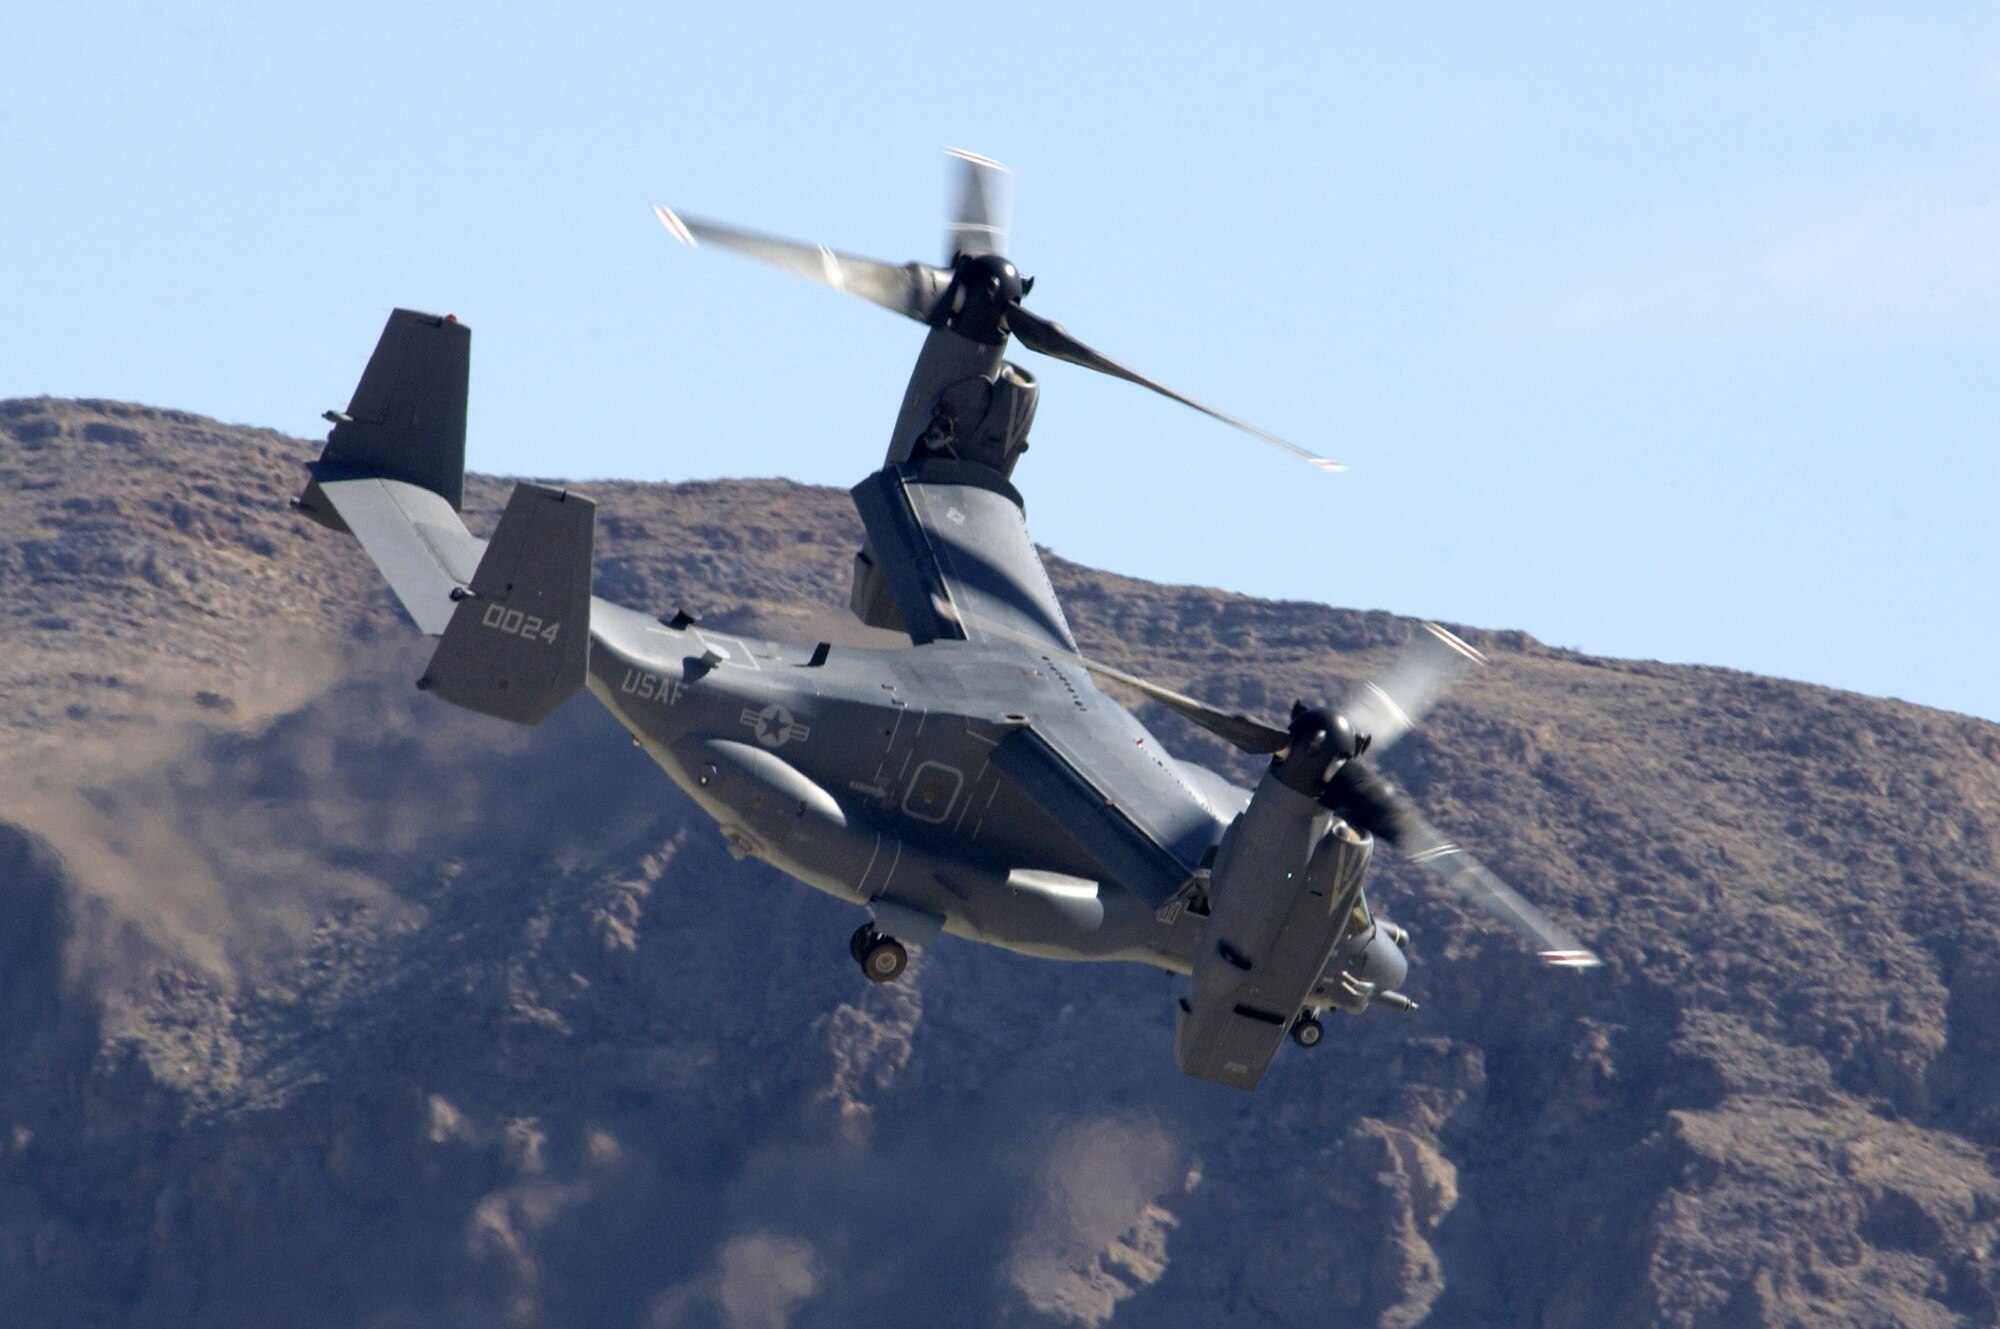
[321,1002]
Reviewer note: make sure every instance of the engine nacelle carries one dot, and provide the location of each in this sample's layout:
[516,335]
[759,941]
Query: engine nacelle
[982,420]
[1282,896]
[1002,435]
[1367,967]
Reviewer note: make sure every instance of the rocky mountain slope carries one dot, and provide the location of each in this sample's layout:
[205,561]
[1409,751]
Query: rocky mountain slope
[323,1003]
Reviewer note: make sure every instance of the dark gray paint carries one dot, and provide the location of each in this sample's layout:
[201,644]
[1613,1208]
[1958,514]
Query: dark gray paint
[518,644]
[977,782]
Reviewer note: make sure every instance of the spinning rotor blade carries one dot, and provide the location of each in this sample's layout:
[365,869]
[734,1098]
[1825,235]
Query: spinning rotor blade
[1051,339]
[985,288]
[1391,706]
[1366,800]
[911,290]
[985,199]
[1450,864]
[1371,803]
[1384,710]
[1252,736]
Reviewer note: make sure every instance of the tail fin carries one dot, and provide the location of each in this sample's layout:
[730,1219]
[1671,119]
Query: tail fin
[407,418]
[393,471]
[518,644]
[513,613]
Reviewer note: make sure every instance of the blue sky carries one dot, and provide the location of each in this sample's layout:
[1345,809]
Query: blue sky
[1667,332]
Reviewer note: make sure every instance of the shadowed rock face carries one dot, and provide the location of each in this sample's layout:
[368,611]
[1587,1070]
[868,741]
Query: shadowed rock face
[322,1003]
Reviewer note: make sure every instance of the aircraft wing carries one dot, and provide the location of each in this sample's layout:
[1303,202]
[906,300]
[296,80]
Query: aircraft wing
[950,541]
[1127,851]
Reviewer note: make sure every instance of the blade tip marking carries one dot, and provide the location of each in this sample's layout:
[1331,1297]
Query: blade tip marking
[1395,709]
[1577,959]
[975,158]
[1464,648]
[675,226]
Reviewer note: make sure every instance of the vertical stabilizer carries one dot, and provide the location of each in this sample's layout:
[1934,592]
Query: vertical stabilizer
[407,419]
[519,642]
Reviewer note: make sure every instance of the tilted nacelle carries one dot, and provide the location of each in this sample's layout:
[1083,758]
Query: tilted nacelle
[967,404]
[1284,894]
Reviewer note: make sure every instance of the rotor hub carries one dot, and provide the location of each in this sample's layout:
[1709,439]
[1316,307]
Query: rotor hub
[1321,741]
[983,288]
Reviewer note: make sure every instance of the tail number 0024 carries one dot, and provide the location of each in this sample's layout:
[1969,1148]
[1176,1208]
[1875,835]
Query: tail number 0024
[517,624]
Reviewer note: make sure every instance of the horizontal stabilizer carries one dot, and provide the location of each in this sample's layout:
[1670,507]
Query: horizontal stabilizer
[518,645]
[423,549]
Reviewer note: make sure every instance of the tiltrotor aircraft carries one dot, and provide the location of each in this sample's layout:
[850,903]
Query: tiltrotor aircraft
[977,781]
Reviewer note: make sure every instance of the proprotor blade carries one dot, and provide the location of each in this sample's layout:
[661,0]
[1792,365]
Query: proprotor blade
[1051,339]
[1389,707]
[1366,800]
[911,290]
[985,195]
[1252,736]
[1384,709]
[1449,863]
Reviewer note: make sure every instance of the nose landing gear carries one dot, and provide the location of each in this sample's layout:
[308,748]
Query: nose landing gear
[881,958]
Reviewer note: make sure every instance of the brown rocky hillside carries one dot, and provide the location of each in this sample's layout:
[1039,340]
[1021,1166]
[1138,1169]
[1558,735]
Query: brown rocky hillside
[324,1004]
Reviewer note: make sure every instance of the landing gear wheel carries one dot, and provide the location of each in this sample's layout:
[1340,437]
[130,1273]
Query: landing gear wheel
[1307,1031]
[857,945]
[884,960]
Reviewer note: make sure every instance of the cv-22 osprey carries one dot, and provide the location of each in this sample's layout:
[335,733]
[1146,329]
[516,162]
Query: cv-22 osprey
[978,781]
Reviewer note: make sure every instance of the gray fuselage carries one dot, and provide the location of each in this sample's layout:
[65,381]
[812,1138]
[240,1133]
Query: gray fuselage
[867,775]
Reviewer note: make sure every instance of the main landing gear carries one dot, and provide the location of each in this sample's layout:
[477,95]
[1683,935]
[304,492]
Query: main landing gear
[1307,1031]
[881,958]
